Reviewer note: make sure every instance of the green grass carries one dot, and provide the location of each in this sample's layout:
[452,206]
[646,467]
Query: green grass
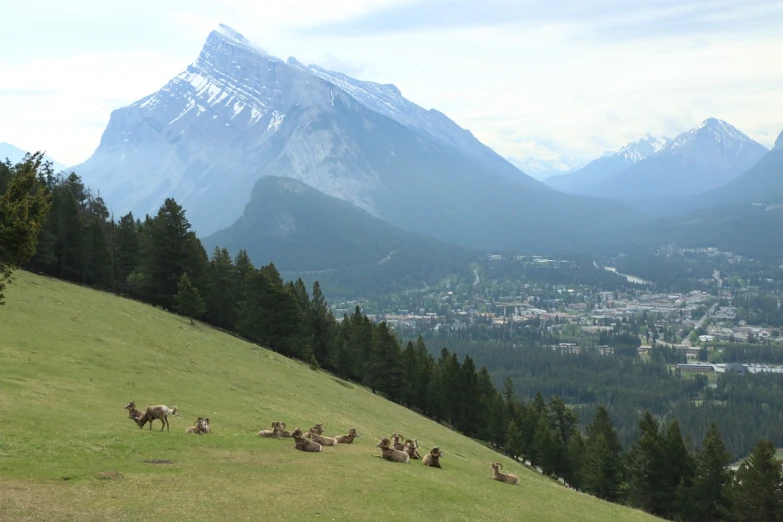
[71,358]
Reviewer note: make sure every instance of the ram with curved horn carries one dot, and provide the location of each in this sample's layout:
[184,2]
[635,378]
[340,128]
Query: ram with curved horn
[508,478]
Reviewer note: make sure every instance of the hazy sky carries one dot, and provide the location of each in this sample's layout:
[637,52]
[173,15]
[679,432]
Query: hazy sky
[540,78]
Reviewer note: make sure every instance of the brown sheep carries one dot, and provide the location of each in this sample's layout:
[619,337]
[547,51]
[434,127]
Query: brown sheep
[410,448]
[133,413]
[200,428]
[160,412]
[283,433]
[432,459]
[207,427]
[319,429]
[320,439]
[302,444]
[389,453]
[508,478]
[347,439]
[275,432]
[396,442]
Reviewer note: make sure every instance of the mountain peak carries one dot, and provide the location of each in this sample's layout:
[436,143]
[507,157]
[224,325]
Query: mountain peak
[232,36]
[645,147]
[779,142]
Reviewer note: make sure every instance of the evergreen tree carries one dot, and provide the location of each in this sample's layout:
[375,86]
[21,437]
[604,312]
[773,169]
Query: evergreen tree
[602,465]
[708,499]
[189,302]
[222,294]
[126,250]
[23,210]
[678,471]
[320,325]
[647,474]
[758,489]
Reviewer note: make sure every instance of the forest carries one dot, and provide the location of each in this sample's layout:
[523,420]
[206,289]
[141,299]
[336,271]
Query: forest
[160,261]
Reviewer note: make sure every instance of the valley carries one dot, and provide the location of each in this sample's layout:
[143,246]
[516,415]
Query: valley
[258,241]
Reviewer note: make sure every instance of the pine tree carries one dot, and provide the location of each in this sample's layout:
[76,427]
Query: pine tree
[678,471]
[23,210]
[758,489]
[647,463]
[189,301]
[708,499]
[320,322]
[602,465]
[221,303]
[126,250]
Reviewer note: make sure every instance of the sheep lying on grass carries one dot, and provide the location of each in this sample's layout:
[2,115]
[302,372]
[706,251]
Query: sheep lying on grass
[276,431]
[318,428]
[389,453]
[160,412]
[283,433]
[347,439]
[302,444]
[432,459]
[396,442]
[508,478]
[320,439]
[410,448]
[200,428]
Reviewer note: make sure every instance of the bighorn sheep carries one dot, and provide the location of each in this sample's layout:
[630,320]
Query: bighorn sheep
[508,478]
[160,412]
[275,432]
[320,439]
[410,448]
[389,453]
[200,428]
[432,459]
[396,440]
[319,429]
[283,433]
[347,439]
[133,413]
[207,427]
[302,444]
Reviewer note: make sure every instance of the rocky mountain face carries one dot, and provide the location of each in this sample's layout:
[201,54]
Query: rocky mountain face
[582,180]
[696,161]
[237,114]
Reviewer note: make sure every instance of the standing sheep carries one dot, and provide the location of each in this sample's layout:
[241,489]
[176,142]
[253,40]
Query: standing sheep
[160,412]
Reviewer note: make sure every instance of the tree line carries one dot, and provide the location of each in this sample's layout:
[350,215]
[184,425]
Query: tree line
[160,261]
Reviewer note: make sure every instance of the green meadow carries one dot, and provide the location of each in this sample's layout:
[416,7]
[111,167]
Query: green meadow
[71,358]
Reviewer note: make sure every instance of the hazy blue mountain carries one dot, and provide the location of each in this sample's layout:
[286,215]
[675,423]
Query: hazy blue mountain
[542,170]
[351,252]
[582,180]
[696,161]
[15,155]
[237,114]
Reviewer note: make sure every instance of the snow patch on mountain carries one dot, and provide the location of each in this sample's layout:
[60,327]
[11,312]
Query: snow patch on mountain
[644,148]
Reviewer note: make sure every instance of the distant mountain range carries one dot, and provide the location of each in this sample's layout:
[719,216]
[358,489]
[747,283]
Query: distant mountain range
[743,216]
[15,155]
[237,114]
[351,252]
[541,169]
[696,161]
[581,181]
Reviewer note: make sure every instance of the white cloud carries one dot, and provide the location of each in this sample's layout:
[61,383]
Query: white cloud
[542,86]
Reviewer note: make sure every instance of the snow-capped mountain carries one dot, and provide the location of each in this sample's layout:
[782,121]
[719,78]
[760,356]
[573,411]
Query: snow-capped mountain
[542,169]
[237,114]
[386,99]
[14,154]
[611,163]
[698,160]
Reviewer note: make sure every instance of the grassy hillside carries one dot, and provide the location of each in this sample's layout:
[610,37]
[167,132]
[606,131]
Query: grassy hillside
[73,357]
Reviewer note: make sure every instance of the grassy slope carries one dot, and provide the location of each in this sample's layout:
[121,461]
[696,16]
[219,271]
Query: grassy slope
[72,357]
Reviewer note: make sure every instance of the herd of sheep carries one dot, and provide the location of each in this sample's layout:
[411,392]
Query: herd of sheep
[392,448]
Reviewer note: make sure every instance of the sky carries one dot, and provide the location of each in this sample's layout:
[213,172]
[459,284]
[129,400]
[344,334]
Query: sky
[530,78]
